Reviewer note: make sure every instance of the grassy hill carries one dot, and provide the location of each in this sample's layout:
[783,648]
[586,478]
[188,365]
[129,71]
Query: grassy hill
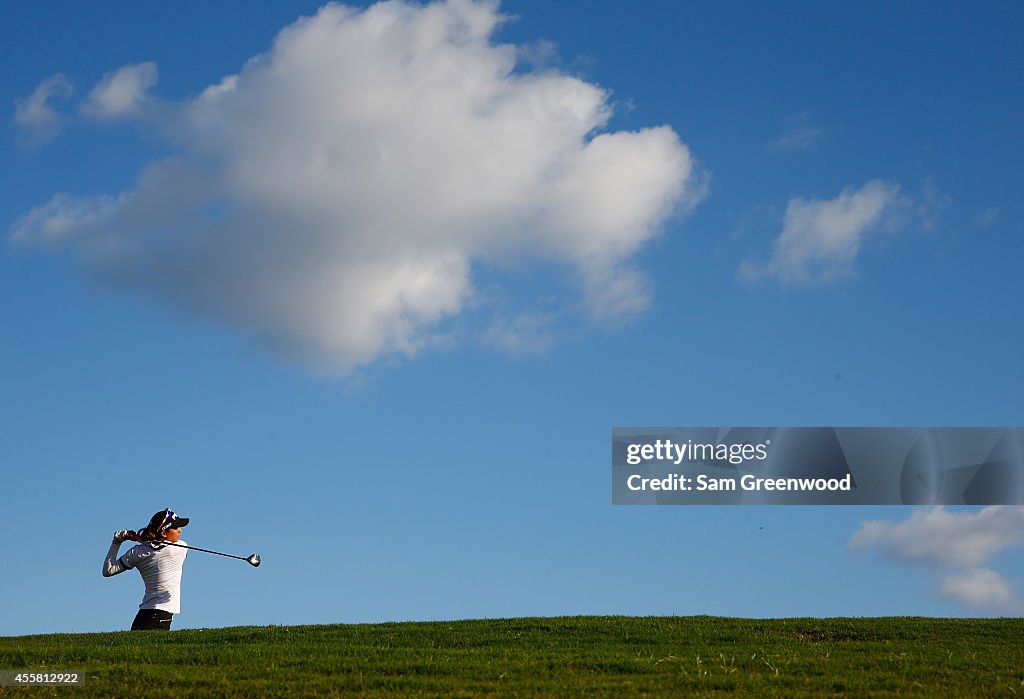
[610,656]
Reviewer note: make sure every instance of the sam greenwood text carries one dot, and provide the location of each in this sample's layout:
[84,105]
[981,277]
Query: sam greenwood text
[675,481]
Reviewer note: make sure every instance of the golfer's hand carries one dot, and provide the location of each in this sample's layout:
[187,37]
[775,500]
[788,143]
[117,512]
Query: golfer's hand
[121,536]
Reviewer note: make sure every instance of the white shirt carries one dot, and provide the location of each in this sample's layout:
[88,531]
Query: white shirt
[160,567]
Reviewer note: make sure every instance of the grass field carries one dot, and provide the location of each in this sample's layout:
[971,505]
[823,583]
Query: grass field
[610,656]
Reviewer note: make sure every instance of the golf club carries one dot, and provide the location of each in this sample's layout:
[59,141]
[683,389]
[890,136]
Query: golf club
[253,560]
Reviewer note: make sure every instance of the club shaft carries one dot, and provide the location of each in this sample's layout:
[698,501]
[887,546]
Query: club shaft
[196,548]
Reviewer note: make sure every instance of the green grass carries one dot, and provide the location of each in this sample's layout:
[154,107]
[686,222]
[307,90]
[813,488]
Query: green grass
[610,656]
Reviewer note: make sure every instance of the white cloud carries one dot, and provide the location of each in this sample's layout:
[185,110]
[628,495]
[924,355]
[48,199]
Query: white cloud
[338,196]
[121,93]
[37,121]
[939,539]
[982,589]
[820,240]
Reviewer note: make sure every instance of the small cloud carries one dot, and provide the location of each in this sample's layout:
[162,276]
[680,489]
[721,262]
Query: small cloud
[526,334]
[820,240]
[982,589]
[799,133]
[987,217]
[62,217]
[121,93]
[37,121]
[931,205]
[939,538]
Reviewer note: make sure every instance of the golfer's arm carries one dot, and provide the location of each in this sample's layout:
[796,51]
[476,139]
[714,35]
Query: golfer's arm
[112,564]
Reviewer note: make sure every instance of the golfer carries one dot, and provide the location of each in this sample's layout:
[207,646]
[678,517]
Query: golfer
[159,564]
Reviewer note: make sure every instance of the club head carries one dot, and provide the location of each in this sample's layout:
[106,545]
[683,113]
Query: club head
[254,560]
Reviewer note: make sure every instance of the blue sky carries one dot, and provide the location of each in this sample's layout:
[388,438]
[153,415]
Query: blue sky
[398,383]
